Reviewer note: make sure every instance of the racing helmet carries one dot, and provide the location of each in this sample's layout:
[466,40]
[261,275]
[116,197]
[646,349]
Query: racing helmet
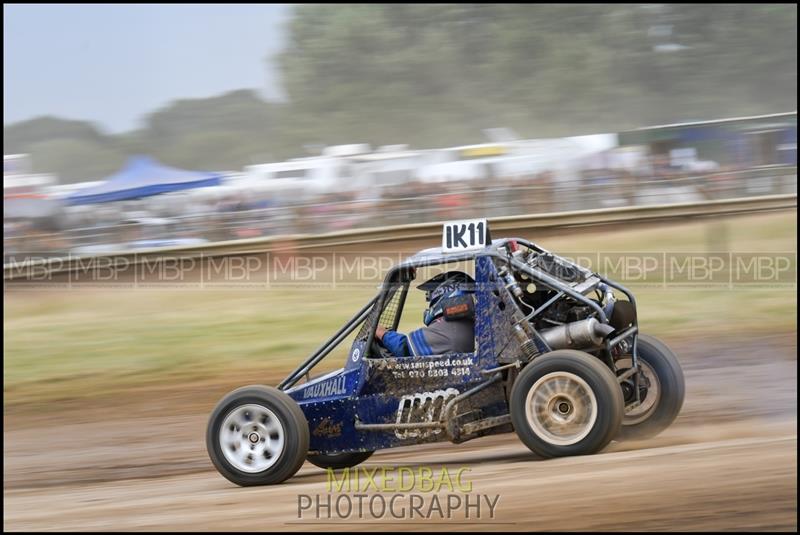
[441,287]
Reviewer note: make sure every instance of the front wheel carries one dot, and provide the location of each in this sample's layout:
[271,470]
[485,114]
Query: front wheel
[661,390]
[566,402]
[257,435]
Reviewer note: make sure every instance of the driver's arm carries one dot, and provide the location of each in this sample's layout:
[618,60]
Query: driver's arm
[395,342]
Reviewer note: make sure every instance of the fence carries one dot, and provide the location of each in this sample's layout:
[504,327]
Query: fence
[417,203]
[27,267]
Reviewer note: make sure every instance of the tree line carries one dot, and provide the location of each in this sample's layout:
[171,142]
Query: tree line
[436,75]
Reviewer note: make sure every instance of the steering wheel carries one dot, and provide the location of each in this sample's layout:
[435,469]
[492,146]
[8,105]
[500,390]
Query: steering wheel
[377,350]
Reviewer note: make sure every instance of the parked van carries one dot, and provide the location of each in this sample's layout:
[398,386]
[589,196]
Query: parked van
[301,179]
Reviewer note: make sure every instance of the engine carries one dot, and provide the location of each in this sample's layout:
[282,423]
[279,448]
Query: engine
[566,323]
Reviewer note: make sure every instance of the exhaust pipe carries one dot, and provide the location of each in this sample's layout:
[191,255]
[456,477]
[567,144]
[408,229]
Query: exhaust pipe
[577,335]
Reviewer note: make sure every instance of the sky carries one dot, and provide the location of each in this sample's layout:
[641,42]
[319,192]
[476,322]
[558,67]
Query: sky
[112,64]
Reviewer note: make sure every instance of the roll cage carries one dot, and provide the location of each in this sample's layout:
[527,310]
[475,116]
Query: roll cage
[400,276]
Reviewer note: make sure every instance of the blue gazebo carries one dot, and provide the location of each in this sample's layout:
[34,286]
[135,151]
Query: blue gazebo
[142,176]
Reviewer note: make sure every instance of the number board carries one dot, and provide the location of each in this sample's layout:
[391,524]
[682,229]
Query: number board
[466,235]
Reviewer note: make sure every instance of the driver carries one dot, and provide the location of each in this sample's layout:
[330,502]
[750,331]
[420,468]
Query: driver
[440,335]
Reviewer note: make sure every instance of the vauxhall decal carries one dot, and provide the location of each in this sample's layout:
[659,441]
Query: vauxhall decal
[332,387]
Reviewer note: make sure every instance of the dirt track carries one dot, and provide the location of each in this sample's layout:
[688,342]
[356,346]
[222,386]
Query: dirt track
[139,463]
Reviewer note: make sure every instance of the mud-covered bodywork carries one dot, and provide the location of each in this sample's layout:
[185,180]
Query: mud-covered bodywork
[527,302]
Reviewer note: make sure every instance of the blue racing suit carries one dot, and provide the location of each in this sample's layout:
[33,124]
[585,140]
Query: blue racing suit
[438,338]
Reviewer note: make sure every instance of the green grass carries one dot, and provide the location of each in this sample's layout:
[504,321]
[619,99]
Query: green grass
[71,343]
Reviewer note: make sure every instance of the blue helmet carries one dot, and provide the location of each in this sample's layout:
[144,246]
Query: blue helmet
[441,287]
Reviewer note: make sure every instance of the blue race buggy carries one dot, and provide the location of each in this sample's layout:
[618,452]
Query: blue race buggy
[558,359]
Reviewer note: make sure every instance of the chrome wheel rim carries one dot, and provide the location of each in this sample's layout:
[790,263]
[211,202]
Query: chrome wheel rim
[561,408]
[252,438]
[639,413]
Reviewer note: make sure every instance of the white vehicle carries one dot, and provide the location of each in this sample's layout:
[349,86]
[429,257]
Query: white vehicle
[485,169]
[508,160]
[301,179]
[342,168]
[391,165]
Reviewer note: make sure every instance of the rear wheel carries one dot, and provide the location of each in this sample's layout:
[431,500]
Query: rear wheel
[338,461]
[566,403]
[661,390]
[257,435]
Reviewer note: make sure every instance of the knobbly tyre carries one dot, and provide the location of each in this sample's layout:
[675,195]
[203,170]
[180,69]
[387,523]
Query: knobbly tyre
[559,359]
